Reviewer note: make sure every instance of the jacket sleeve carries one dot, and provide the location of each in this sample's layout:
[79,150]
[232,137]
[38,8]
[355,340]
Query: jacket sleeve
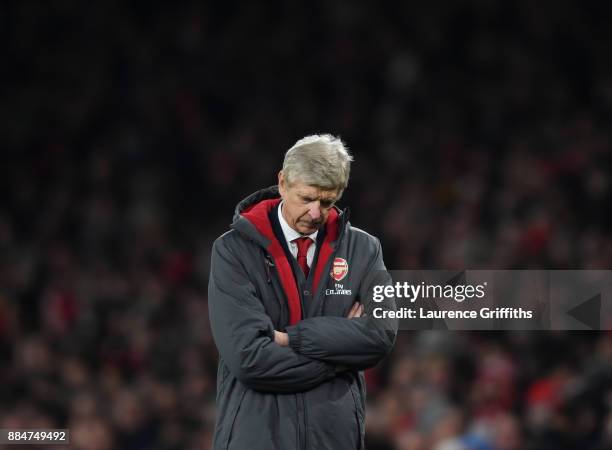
[358,343]
[243,332]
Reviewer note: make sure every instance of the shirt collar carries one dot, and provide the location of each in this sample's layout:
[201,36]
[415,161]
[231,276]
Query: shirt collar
[290,233]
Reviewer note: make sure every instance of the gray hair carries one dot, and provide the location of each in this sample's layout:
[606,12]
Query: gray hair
[318,160]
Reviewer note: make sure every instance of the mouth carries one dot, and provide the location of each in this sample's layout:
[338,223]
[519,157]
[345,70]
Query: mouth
[311,226]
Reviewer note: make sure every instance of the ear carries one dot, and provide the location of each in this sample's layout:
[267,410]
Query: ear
[282,184]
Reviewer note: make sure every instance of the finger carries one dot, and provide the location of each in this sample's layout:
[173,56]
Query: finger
[359,311]
[353,311]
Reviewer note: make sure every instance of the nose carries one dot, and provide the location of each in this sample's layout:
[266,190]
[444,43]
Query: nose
[314,211]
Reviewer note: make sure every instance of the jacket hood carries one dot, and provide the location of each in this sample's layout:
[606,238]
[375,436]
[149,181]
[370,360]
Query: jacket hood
[249,202]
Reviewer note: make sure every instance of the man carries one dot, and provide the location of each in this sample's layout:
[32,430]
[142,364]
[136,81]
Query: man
[290,309]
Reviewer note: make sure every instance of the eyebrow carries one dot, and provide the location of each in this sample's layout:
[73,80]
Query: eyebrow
[311,198]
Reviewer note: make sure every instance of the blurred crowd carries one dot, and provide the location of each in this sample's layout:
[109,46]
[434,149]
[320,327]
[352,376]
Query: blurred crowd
[129,130]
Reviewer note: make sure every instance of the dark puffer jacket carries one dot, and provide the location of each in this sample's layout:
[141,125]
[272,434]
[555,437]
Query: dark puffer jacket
[310,395]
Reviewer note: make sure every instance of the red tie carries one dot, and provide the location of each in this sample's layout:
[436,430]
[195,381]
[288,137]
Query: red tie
[302,244]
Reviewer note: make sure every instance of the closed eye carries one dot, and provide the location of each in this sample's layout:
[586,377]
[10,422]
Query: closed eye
[327,203]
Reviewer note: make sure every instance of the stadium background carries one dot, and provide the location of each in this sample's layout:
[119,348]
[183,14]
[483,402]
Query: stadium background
[129,130]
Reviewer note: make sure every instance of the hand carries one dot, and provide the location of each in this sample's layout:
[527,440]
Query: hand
[281,338]
[356,311]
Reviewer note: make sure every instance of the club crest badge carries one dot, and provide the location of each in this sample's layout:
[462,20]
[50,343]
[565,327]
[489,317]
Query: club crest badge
[339,269]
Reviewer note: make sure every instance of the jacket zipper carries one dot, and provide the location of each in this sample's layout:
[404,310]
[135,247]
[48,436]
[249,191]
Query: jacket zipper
[300,397]
[302,422]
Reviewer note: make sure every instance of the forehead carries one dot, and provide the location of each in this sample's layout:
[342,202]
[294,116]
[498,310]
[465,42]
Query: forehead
[308,190]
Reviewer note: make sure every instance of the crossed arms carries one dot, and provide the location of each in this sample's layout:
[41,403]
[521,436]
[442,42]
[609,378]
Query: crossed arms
[311,352]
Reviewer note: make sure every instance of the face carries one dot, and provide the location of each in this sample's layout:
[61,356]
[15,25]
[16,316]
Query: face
[305,207]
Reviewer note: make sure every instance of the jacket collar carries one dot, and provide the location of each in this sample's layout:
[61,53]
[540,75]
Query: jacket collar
[251,217]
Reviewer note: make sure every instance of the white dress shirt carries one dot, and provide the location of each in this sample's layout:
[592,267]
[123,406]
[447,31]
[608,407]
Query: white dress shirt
[291,234]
